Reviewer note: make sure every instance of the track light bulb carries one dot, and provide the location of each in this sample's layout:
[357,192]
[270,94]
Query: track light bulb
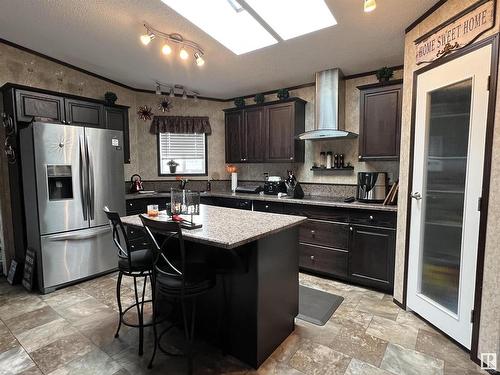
[166,49]
[184,95]
[147,38]
[158,89]
[172,94]
[199,60]
[183,54]
[369,5]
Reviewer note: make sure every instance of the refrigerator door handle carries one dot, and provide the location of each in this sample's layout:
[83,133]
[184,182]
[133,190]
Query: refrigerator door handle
[83,179]
[71,236]
[91,182]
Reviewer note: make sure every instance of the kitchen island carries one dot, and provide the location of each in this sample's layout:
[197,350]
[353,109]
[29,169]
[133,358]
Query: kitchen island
[256,254]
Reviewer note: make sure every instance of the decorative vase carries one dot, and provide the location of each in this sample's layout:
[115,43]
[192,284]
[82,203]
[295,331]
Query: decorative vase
[110,98]
[173,168]
[283,94]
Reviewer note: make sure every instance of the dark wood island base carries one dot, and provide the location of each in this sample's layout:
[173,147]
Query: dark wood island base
[263,298]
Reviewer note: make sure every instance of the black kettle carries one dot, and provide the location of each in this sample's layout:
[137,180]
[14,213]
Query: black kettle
[136,185]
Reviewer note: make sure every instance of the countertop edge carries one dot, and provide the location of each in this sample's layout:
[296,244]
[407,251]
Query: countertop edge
[269,198]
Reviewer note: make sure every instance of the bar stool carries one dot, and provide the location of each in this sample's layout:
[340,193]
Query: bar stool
[137,263]
[177,279]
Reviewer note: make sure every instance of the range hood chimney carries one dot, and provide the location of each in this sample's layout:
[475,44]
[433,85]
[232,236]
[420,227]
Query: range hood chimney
[329,109]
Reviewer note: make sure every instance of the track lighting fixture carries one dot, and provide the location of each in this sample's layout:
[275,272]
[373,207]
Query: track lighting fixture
[182,91]
[166,49]
[147,38]
[183,54]
[187,47]
[369,5]
[199,60]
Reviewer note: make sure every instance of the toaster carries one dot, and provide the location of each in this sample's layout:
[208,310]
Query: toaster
[274,187]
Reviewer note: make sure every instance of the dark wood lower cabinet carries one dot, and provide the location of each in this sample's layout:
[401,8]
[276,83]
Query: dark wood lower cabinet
[353,245]
[328,261]
[371,256]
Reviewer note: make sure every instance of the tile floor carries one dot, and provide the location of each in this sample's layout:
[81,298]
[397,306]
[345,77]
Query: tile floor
[71,332]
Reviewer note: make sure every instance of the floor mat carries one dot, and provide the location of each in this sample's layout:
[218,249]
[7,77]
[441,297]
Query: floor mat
[316,306]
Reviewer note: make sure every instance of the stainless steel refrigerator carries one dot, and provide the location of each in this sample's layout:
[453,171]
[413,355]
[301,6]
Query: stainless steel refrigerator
[72,173]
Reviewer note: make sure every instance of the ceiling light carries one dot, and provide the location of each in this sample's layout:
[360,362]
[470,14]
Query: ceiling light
[171,94]
[199,59]
[292,18]
[147,38]
[166,49]
[369,5]
[158,89]
[195,94]
[187,46]
[239,31]
[183,54]
[184,95]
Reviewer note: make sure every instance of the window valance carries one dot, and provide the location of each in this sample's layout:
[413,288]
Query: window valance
[181,124]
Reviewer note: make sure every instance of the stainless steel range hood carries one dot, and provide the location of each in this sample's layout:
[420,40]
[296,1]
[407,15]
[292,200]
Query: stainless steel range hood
[329,110]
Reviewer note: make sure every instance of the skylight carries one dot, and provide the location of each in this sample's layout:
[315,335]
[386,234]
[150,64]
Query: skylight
[292,18]
[226,21]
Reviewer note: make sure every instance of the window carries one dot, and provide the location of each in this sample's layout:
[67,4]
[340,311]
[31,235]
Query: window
[182,154]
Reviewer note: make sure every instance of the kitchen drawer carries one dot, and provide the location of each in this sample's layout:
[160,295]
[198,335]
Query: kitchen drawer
[325,233]
[318,212]
[136,206]
[134,233]
[272,207]
[374,218]
[139,244]
[325,260]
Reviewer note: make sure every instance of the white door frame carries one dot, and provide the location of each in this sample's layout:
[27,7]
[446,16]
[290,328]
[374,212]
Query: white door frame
[493,42]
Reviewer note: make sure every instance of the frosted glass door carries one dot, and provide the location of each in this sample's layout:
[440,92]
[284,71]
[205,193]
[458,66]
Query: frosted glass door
[450,129]
[444,193]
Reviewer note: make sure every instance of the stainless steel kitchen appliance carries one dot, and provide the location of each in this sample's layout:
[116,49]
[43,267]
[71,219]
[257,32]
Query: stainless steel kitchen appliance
[372,187]
[69,174]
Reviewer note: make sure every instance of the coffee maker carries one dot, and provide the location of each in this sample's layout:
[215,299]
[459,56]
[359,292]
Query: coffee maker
[372,187]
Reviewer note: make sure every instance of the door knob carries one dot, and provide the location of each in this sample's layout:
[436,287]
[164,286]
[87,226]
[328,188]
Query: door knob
[312,257]
[416,196]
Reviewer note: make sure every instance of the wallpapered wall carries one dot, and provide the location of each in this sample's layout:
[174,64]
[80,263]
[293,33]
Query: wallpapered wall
[489,339]
[24,68]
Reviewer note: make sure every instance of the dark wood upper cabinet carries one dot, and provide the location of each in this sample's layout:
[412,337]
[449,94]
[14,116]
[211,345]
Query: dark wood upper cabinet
[380,121]
[254,136]
[235,133]
[266,132]
[371,256]
[84,113]
[33,104]
[116,118]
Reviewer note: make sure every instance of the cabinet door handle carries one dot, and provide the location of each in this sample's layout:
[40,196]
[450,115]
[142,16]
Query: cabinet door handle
[371,218]
[351,229]
[312,258]
[291,157]
[313,233]
[267,206]
[359,156]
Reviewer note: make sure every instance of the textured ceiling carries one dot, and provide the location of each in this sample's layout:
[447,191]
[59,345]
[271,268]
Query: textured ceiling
[103,37]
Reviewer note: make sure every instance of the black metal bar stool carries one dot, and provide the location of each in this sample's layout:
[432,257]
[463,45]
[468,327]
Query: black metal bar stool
[137,263]
[176,278]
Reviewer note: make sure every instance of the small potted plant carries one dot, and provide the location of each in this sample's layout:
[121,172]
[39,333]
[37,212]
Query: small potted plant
[384,74]
[239,102]
[259,98]
[172,165]
[110,98]
[283,94]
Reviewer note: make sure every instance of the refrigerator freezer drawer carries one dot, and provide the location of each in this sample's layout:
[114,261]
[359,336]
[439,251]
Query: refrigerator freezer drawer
[75,255]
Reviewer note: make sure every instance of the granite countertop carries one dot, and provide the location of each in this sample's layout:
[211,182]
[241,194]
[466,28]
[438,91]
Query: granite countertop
[307,200]
[229,228]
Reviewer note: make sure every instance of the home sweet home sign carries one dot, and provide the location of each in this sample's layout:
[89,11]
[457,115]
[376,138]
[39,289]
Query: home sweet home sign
[456,33]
